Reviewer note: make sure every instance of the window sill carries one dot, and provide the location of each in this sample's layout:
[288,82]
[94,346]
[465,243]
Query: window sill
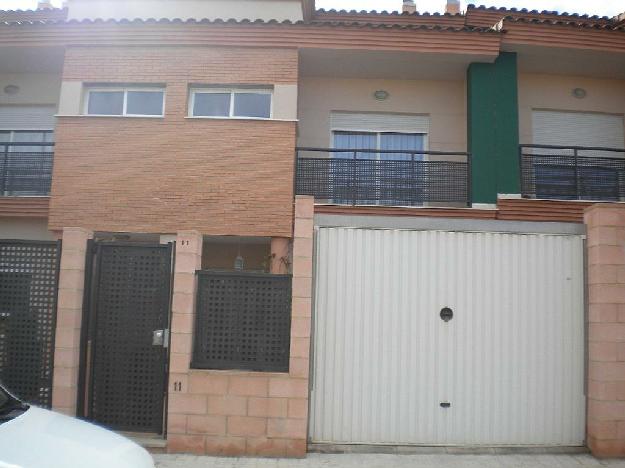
[252,119]
[114,116]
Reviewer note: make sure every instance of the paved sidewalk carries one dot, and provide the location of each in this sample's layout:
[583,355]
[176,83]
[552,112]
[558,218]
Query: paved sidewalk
[391,461]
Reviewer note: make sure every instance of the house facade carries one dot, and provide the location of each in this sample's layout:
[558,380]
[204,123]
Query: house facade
[259,228]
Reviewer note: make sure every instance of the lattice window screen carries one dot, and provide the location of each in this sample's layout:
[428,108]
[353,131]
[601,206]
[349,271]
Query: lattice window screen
[28,299]
[243,321]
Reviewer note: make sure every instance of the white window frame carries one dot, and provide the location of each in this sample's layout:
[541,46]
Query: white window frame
[232,92]
[125,90]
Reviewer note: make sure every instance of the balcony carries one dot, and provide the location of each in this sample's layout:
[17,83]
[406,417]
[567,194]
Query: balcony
[26,169]
[384,177]
[572,172]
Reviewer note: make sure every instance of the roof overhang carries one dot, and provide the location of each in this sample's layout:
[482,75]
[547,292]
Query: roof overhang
[556,47]
[566,61]
[472,42]
[385,65]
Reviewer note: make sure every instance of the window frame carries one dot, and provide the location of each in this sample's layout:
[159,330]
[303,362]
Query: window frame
[232,91]
[125,90]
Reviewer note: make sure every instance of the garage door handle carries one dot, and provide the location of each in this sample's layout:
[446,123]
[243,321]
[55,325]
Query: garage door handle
[445,404]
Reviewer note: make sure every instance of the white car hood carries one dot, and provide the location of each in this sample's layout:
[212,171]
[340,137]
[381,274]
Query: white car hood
[43,439]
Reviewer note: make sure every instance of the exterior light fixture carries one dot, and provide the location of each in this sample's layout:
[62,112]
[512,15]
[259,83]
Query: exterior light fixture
[11,89]
[381,95]
[579,93]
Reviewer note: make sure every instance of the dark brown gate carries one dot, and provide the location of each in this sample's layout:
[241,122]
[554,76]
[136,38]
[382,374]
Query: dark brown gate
[29,272]
[127,356]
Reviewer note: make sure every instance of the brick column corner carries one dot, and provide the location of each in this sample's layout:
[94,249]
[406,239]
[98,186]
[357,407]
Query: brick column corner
[606,333]
[188,260]
[69,319]
[299,363]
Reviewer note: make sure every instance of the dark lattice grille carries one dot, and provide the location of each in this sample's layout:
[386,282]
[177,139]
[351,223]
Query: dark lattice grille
[243,321]
[572,173]
[26,170]
[28,298]
[384,181]
[131,301]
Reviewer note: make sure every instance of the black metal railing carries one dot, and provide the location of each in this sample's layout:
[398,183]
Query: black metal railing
[26,169]
[384,177]
[572,172]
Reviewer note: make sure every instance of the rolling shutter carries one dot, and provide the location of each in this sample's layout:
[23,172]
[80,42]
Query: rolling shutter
[27,117]
[578,129]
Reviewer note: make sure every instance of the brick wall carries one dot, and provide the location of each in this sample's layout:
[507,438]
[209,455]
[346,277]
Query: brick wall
[606,334]
[238,412]
[166,175]
[69,320]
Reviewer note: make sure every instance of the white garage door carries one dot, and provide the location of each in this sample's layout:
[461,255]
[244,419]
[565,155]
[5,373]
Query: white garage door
[507,369]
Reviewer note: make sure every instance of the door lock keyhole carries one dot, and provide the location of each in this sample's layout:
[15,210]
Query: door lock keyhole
[447,314]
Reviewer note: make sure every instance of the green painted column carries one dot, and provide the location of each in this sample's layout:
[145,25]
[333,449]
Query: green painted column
[493,127]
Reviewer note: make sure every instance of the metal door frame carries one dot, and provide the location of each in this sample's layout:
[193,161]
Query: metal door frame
[87,337]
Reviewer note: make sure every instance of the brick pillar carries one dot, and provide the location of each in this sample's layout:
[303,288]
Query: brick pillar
[69,318]
[299,364]
[279,255]
[235,412]
[606,335]
[188,260]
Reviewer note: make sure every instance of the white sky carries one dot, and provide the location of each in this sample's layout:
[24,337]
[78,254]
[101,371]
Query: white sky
[596,7]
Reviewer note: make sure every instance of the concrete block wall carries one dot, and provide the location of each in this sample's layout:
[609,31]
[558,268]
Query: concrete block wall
[606,332]
[237,412]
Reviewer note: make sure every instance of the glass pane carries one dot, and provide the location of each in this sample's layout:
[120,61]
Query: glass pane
[144,103]
[598,183]
[401,141]
[106,103]
[211,105]
[5,136]
[29,137]
[352,181]
[355,140]
[49,137]
[555,181]
[252,105]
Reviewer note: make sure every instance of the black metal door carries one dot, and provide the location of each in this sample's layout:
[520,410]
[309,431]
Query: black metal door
[129,302]
[29,272]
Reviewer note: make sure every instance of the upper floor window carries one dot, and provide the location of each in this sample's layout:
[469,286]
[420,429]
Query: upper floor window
[125,101]
[230,103]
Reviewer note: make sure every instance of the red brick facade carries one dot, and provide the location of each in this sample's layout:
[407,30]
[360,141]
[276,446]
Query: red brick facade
[168,174]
